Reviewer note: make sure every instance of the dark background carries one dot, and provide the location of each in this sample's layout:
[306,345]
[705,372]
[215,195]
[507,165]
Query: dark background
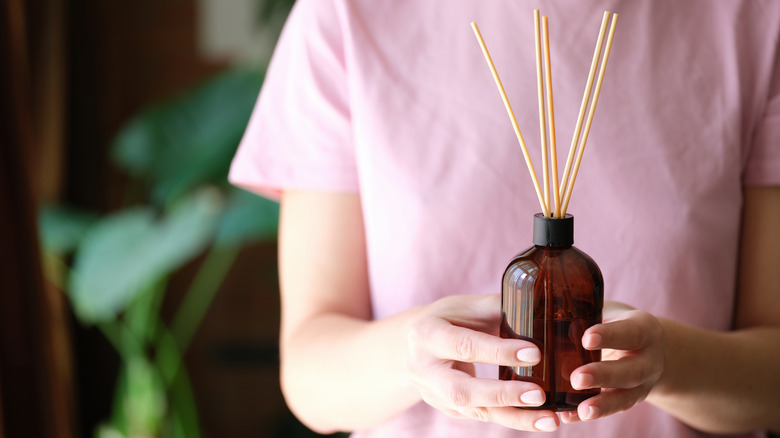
[73,72]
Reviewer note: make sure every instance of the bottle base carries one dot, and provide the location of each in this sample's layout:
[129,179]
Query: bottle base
[556,401]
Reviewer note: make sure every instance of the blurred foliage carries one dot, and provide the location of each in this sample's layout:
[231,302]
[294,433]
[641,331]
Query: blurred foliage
[191,140]
[178,208]
[114,266]
[62,228]
[271,10]
[127,251]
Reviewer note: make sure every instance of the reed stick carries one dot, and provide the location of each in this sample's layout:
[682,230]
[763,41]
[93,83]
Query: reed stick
[551,116]
[511,113]
[584,105]
[540,93]
[590,114]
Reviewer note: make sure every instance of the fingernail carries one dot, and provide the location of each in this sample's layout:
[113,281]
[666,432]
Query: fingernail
[530,355]
[534,397]
[593,413]
[546,424]
[568,416]
[585,381]
[592,340]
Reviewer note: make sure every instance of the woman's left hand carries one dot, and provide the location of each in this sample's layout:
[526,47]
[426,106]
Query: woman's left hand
[632,362]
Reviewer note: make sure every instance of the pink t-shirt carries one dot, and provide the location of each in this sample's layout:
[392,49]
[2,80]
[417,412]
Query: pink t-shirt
[393,99]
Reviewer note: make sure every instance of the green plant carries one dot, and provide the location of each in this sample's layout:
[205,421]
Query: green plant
[114,267]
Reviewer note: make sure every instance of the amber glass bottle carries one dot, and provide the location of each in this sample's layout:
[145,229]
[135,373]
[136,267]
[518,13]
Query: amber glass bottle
[551,293]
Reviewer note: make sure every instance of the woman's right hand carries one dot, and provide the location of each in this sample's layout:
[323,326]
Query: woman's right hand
[450,336]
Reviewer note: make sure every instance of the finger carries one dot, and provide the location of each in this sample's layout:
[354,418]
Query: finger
[513,418]
[635,330]
[569,417]
[460,390]
[611,401]
[451,342]
[627,372]
[519,419]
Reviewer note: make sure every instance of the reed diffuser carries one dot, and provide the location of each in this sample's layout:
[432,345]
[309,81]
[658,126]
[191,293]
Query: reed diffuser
[552,292]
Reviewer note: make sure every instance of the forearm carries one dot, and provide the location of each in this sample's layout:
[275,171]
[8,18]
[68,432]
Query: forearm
[340,371]
[343,373]
[721,382]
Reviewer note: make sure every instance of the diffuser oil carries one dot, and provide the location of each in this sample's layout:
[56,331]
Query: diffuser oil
[551,293]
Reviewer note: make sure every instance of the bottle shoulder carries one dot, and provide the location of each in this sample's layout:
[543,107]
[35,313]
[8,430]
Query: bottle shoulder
[574,260]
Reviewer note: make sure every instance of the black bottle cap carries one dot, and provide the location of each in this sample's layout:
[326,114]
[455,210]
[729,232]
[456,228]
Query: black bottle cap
[550,231]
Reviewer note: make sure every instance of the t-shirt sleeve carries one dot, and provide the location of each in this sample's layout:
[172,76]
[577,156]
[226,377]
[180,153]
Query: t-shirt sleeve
[762,167]
[299,134]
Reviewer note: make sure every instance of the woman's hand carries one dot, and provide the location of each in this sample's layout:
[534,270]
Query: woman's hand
[444,343]
[632,344]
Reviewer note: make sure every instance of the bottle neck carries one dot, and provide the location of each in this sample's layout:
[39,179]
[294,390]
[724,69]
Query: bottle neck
[553,232]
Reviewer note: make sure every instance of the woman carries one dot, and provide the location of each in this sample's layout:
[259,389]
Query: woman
[404,195]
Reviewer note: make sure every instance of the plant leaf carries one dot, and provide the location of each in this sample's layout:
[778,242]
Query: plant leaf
[62,228]
[248,218]
[272,10]
[128,251]
[191,140]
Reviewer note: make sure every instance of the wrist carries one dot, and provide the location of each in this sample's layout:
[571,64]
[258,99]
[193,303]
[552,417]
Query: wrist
[683,349]
[665,386]
[409,325]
